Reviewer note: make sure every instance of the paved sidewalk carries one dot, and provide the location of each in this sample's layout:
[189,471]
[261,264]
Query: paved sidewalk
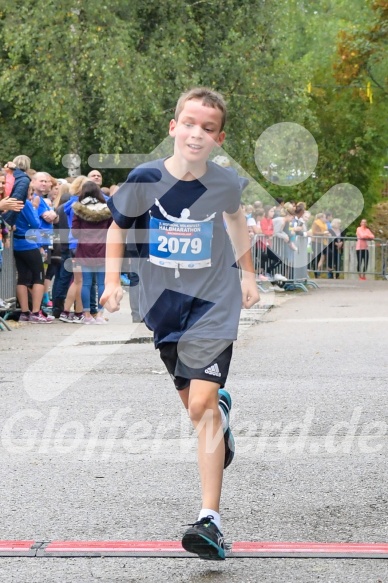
[95,445]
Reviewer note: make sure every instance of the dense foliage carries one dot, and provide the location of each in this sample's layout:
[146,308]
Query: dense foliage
[104,77]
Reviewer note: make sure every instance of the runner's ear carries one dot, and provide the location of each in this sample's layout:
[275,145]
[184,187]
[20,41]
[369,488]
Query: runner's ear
[221,138]
[172,128]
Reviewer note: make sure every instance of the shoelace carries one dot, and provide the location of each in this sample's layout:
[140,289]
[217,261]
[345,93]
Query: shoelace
[204,520]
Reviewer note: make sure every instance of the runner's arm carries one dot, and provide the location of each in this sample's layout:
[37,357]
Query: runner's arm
[239,235]
[113,292]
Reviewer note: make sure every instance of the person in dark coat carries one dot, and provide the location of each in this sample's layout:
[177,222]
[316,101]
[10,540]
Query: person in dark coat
[19,167]
[91,221]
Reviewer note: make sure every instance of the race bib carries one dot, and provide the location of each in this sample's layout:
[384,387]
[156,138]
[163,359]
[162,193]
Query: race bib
[184,245]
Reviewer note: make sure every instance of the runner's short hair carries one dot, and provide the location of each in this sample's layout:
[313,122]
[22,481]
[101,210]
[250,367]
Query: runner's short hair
[208,96]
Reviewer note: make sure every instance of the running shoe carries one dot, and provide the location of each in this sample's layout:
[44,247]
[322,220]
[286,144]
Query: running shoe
[49,317]
[100,320]
[66,317]
[78,318]
[39,319]
[24,317]
[204,539]
[225,402]
[88,320]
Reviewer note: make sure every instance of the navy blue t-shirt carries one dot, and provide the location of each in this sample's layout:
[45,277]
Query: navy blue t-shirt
[189,286]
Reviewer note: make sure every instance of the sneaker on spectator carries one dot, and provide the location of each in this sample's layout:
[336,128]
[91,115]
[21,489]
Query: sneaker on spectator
[89,320]
[48,316]
[66,317]
[39,319]
[78,318]
[262,277]
[100,320]
[24,317]
[4,305]
[279,277]
[278,289]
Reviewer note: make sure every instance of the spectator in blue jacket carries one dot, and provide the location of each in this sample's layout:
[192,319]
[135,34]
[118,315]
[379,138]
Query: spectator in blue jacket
[29,265]
[73,296]
[20,165]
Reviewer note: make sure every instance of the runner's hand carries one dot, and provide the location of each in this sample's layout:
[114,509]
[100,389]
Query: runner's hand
[112,297]
[250,293]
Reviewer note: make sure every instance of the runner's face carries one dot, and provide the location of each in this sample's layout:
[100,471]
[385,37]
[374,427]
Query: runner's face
[197,130]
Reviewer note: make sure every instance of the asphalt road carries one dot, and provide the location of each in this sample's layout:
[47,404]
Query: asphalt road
[95,444]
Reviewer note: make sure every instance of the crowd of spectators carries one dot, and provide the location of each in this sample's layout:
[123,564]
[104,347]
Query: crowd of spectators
[291,221]
[59,233]
[59,236]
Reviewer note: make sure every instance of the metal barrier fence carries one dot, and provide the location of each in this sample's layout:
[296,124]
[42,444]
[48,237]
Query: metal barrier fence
[310,257]
[8,274]
[314,256]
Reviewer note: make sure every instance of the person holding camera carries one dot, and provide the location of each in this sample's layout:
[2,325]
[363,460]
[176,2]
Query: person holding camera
[29,265]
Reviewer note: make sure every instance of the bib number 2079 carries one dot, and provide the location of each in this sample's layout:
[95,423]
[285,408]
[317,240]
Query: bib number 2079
[180,245]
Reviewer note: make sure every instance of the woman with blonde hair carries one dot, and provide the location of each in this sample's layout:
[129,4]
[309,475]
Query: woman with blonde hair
[19,182]
[64,188]
[319,243]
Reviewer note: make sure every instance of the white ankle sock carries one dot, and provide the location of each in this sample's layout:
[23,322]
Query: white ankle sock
[208,512]
[224,420]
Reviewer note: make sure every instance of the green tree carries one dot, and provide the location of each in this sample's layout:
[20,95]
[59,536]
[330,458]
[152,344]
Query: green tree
[349,128]
[90,78]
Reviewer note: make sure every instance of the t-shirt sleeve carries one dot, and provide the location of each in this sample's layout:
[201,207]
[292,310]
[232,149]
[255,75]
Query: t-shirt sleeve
[236,187]
[131,200]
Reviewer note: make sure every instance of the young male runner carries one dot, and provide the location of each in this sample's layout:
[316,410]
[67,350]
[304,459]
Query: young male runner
[190,294]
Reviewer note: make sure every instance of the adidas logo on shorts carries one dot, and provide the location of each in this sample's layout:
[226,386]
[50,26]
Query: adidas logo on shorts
[213,370]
